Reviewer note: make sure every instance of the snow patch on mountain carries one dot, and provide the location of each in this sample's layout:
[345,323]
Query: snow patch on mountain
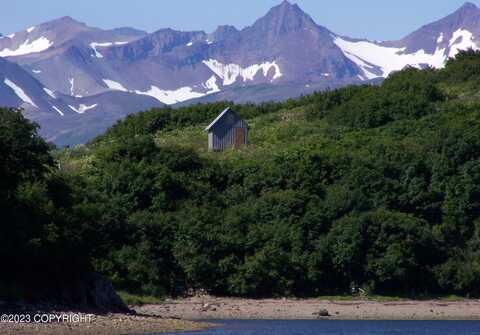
[95,45]
[440,38]
[461,40]
[19,92]
[72,86]
[49,92]
[388,59]
[170,97]
[368,55]
[82,108]
[113,85]
[229,73]
[211,85]
[365,67]
[39,45]
[58,110]
[36,71]
[29,30]
[94,48]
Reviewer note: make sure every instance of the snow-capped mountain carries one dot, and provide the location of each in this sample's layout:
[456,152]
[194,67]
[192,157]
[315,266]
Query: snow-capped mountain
[63,53]
[284,46]
[431,45]
[67,74]
[65,119]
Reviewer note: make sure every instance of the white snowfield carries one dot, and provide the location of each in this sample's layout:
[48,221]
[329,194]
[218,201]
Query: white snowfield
[211,85]
[82,108]
[19,92]
[368,55]
[95,45]
[49,92]
[39,45]
[230,73]
[461,40]
[29,30]
[58,110]
[440,38]
[170,97]
[113,85]
[72,86]
[366,67]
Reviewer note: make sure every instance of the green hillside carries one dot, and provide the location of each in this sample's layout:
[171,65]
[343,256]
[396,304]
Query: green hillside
[375,187]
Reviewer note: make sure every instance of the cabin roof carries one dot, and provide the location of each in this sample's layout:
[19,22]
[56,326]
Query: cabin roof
[218,118]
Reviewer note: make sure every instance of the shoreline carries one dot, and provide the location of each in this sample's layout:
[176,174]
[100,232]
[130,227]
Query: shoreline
[193,314]
[212,308]
[105,324]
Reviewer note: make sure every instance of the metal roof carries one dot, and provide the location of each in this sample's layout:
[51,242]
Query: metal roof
[217,118]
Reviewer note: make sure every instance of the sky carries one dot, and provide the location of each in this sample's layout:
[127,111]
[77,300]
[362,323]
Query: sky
[372,19]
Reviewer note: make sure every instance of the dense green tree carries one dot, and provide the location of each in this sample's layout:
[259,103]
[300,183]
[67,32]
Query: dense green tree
[374,186]
[44,252]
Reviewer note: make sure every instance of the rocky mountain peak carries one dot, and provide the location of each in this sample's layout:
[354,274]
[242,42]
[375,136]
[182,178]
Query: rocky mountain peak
[65,21]
[462,26]
[224,32]
[466,11]
[468,6]
[284,18]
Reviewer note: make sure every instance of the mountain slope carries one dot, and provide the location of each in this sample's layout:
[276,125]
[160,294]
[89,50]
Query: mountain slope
[66,54]
[20,90]
[284,46]
[65,119]
[174,66]
[92,116]
[431,45]
[458,30]
[302,50]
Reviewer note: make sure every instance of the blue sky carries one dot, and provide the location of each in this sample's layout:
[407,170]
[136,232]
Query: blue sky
[374,19]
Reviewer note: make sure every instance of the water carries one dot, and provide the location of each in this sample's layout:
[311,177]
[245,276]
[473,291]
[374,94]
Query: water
[261,327]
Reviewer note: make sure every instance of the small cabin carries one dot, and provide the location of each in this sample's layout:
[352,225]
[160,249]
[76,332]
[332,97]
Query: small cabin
[228,130]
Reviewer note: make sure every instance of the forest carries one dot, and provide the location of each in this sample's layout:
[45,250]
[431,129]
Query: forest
[373,186]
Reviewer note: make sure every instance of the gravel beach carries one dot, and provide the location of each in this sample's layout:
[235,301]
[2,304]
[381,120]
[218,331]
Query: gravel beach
[204,308]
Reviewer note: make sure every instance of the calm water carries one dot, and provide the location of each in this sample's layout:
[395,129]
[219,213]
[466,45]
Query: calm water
[345,328]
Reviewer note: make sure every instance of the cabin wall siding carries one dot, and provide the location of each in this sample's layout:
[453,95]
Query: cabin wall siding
[222,135]
[210,140]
